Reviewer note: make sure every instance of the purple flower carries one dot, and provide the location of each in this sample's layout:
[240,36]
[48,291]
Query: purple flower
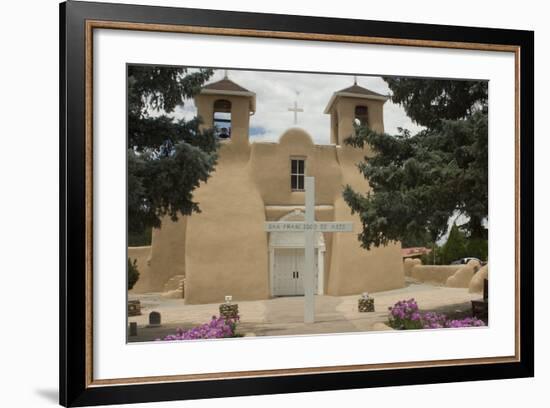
[466,322]
[216,328]
[405,314]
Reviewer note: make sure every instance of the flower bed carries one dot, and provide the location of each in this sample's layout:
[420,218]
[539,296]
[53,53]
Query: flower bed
[405,315]
[217,328]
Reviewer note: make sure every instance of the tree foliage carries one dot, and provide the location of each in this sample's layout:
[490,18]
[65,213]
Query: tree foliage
[428,102]
[460,245]
[455,247]
[167,159]
[477,248]
[419,181]
[140,238]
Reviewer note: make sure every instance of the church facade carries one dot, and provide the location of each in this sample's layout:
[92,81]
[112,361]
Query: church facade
[225,250]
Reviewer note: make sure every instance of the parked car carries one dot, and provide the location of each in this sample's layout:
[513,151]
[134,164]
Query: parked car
[464,261]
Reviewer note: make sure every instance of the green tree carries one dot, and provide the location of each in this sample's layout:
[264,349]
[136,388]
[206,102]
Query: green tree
[455,247]
[167,159]
[477,248]
[419,181]
[434,257]
[133,273]
[141,238]
[418,241]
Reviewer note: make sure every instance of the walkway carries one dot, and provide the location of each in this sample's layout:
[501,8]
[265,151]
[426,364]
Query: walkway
[284,316]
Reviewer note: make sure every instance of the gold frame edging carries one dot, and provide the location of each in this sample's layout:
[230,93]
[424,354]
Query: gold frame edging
[99,24]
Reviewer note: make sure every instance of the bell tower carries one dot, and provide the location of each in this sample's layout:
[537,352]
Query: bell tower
[354,104]
[227,107]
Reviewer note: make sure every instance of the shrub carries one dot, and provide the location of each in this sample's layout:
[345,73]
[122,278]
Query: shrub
[133,273]
[405,315]
[455,247]
[140,238]
[217,328]
[477,248]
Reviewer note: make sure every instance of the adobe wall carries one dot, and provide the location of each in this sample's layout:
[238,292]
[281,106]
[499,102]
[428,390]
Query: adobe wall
[167,252]
[226,245]
[476,284]
[434,273]
[410,263]
[142,255]
[469,276]
[462,277]
[234,200]
[270,168]
[353,269]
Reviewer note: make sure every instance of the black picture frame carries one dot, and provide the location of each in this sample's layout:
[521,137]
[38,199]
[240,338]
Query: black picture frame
[75,386]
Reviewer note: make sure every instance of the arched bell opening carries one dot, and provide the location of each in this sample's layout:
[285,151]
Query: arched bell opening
[222,118]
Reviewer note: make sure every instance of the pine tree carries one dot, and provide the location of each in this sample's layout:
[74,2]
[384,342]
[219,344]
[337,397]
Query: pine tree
[167,159]
[477,248]
[419,181]
[455,247]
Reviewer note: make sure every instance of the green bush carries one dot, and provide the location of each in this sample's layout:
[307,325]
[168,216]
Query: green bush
[458,246]
[478,248]
[141,238]
[133,273]
[455,247]
[434,257]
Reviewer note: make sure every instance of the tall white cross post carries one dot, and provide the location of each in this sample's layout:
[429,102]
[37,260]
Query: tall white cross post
[309,227]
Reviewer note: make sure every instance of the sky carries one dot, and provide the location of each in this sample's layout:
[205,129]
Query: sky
[277,91]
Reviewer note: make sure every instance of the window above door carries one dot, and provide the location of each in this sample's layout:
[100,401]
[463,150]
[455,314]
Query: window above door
[297,173]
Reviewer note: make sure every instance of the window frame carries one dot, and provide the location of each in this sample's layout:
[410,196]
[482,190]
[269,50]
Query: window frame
[299,175]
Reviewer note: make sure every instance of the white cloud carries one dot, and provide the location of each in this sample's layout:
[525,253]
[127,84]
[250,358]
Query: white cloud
[276,92]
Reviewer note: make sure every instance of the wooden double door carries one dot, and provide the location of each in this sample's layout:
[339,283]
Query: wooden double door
[289,272]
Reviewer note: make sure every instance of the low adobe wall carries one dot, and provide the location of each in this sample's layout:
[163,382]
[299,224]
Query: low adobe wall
[433,273]
[410,263]
[469,276]
[142,255]
[476,284]
[462,277]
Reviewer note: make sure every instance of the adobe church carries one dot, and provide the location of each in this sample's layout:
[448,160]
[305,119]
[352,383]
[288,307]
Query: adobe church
[225,249]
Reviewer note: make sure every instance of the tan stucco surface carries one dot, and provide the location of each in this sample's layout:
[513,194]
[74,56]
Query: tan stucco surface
[226,246]
[142,256]
[462,277]
[343,113]
[167,252]
[476,284]
[410,263]
[434,273]
[224,250]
